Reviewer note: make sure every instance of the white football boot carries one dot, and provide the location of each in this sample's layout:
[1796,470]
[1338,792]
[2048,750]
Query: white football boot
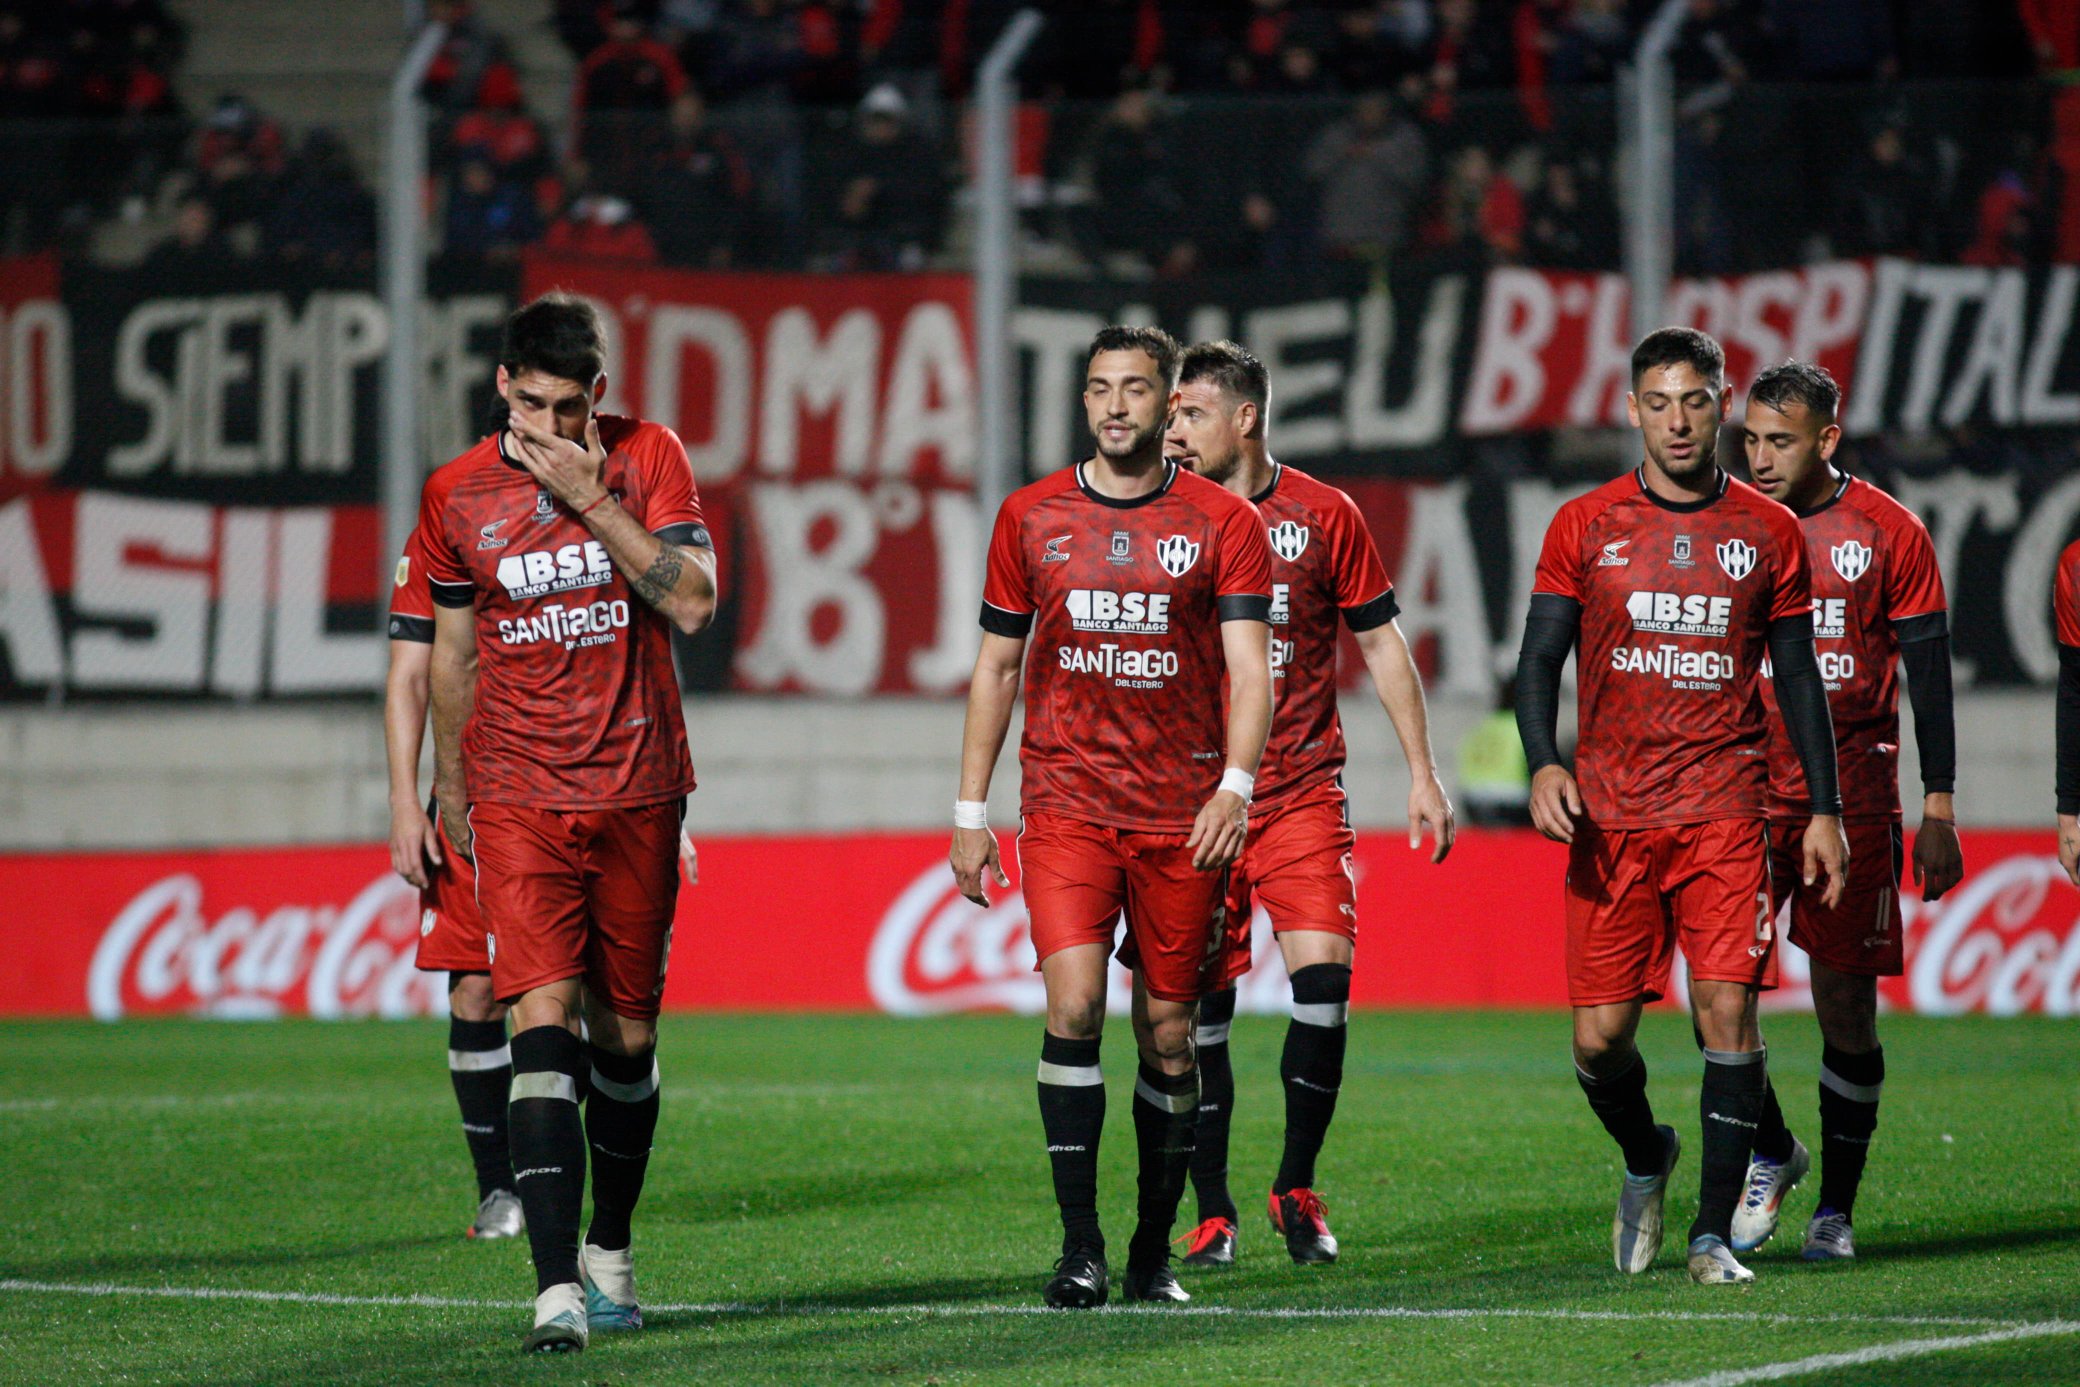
[499,1216]
[610,1288]
[1712,1263]
[1762,1201]
[1636,1228]
[559,1320]
[1829,1238]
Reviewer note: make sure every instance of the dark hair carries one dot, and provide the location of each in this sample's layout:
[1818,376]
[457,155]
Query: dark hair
[1161,347]
[1230,366]
[1679,346]
[559,335]
[1797,383]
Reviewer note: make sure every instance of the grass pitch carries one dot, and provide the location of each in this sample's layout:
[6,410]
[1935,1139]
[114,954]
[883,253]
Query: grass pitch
[860,1199]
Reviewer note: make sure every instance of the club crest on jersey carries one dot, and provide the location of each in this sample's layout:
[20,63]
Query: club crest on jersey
[1288,540]
[404,570]
[1682,557]
[1120,540]
[1177,555]
[544,505]
[1054,552]
[1737,557]
[1851,559]
[1611,557]
[488,538]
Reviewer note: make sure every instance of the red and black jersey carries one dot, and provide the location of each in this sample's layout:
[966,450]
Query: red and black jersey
[2065,596]
[411,596]
[1324,567]
[1677,600]
[577,704]
[1874,578]
[1122,602]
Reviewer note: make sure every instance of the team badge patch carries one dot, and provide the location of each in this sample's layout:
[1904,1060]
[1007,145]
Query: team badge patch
[404,570]
[1737,557]
[1851,559]
[1682,557]
[1120,541]
[544,506]
[426,919]
[1288,540]
[1177,555]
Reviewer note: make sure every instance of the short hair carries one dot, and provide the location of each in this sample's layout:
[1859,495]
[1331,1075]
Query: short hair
[1231,367]
[1798,383]
[559,335]
[1161,347]
[1679,346]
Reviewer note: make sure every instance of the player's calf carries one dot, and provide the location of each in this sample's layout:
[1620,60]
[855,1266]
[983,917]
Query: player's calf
[1312,1068]
[549,1158]
[480,1069]
[1216,1113]
[620,1123]
[1730,1109]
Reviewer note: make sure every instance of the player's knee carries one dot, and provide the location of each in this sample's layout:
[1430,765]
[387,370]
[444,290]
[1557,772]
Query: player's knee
[1076,1018]
[470,998]
[1166,1040]
[1598,1051]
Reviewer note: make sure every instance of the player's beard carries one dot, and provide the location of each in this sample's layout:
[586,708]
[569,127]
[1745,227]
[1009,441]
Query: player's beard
[1218,470]
[1701,462]
[1136,442]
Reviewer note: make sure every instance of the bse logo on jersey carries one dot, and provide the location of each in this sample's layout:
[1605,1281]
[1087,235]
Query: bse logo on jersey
[1680,614]
[541,571]
[1177,555]
[1851,559]
[1288,541]
[1121,613]
[1831,617]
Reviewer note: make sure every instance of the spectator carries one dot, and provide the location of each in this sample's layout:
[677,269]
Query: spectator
[2004,229]
[1370,52]
[467,57]
[1713,47]
[1371,168]
[756,49]
[1138,205]
[1885,199]
[887,203]
[1479,207]
[600,226]
[501,131]
[1470,51]
[699,195]
[193,245]
[1568,222]
[488,217]
[620,96]
[323,216]
[240,160]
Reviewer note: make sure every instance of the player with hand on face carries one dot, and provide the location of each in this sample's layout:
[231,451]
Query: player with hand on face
[1878,609]
[562,552]
[1676,580]
[2065,608]
[1139,589]
[1325,569]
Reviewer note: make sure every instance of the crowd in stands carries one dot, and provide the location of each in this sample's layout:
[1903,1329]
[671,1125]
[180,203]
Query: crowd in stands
[828,134]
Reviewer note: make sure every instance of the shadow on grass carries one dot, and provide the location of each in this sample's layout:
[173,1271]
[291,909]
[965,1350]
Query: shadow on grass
[155,1268]
[780,1195]
[2047,1234]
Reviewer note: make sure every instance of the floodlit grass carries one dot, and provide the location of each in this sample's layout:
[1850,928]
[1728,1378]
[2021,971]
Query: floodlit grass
[866,1199]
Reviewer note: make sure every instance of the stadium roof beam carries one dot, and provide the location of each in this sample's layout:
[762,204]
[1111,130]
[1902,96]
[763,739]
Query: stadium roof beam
[996,262]
[404,287]
[1647,118]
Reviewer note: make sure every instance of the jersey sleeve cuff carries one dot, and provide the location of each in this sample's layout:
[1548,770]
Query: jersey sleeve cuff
[998,622]
[1926,627]
[453,594]
[1244,606]
[411,628]
[689,533]
[1378,612]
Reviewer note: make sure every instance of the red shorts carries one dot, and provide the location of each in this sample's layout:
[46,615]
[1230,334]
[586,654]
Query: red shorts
[1298,863]
[451,931]
[1862,934]
[1632,893]
[1077,877]
[588,893]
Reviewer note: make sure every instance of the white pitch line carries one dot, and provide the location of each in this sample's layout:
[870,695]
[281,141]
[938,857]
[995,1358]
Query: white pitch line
[1878,1353]
[956,1310]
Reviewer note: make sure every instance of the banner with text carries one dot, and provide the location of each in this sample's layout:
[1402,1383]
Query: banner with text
[331,932]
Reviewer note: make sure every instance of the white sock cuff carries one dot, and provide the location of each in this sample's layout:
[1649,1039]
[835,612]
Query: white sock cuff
[473,1061]
[544,1084]
[626,1093]
[1326,1014]
[1072,1075]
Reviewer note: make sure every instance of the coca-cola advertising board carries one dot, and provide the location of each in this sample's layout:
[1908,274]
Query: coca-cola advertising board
[872,922]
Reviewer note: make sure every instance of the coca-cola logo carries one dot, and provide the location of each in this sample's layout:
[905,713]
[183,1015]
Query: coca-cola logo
[935,951]
[162,952]
[2007,941]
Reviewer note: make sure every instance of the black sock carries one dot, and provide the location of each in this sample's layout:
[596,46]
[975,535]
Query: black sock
[1772,1138]
[620,1119]
[1072,1114]
[1730,1106]
[1166,1112]
[1849,1086]
[1620,1101]
[1216,1108]
[549,1148]
[1312,1068]
[480,1065]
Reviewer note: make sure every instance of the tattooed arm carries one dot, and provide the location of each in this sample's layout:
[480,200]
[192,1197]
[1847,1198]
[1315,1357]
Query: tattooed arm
[677,579]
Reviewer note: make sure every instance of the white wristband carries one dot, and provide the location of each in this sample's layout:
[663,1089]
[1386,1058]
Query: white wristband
[971,813]
[1238,781]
